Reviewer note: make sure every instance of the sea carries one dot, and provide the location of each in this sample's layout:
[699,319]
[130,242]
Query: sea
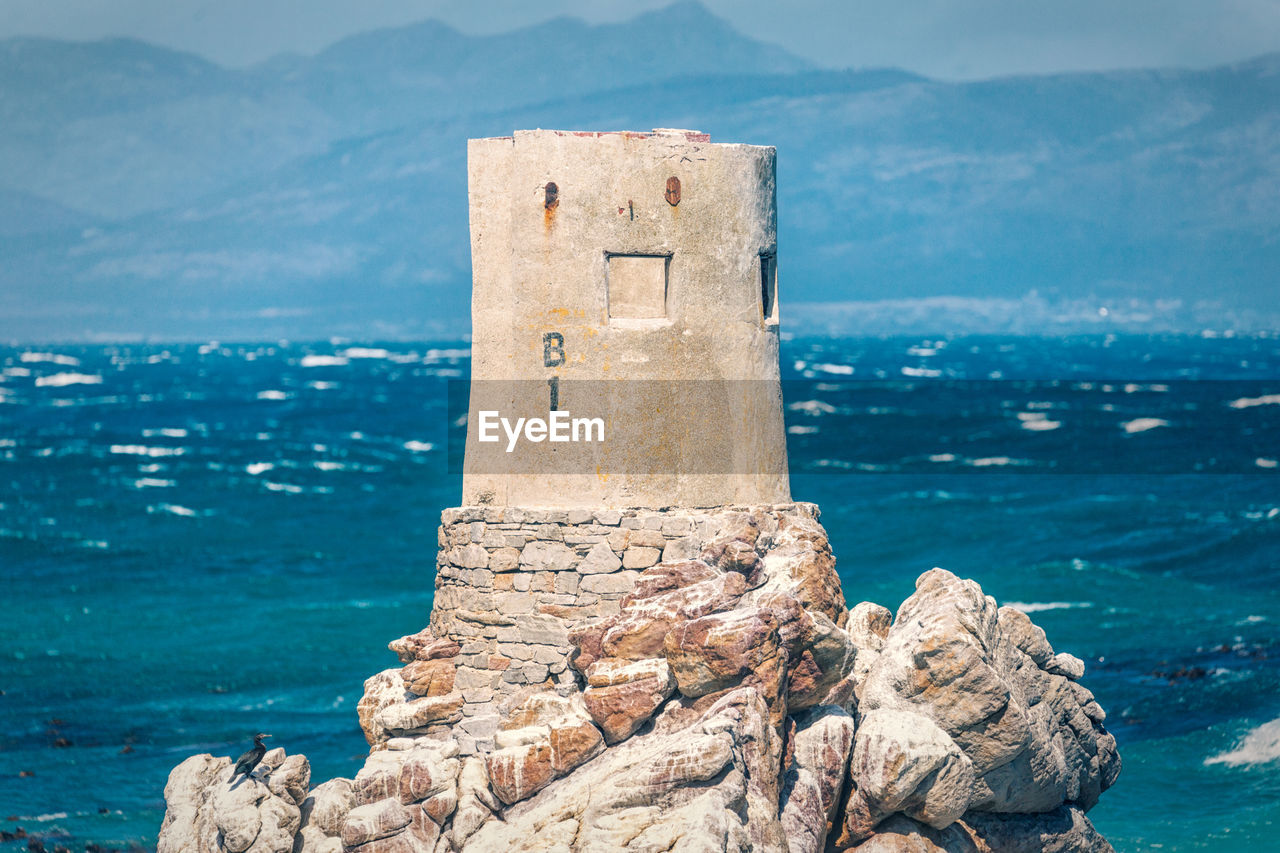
[206,540]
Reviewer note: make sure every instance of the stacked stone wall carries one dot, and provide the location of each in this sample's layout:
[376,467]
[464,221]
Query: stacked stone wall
[512,581]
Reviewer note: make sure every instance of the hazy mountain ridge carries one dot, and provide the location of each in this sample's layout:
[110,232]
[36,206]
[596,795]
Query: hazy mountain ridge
[331,190]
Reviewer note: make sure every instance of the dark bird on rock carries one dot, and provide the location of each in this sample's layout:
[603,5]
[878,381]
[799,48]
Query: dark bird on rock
[250,759]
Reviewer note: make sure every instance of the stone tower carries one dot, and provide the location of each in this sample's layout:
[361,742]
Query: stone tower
[630,276]
[644,645]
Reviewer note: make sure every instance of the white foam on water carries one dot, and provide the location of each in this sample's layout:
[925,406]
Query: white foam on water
[1250,402]
[1037,421]
[798,429]
[16,371]
[50,357]
[256,468]
[324,465]
[1142,425]
[812,407]
[287,488]
[921,372]
[173,509]
[923,352]
[418,446]
[835,369]
[58,380]
[1039,606]
[996,462]
[153,483]
[323,361]
[165,432]
[1264,462]
[273,394]
[322,386]
[1260,746]
[365,352]
[942,457]
[143,450]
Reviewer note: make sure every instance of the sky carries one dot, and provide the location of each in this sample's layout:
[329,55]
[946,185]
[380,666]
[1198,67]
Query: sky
[946,39]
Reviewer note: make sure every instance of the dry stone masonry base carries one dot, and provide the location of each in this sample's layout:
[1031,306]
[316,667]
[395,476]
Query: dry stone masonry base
[687,680]
[511,582]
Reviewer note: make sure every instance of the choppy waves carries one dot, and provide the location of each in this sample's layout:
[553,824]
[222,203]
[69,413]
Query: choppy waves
[1260,746]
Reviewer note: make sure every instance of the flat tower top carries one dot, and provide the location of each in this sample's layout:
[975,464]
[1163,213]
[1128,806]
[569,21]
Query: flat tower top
[691,135]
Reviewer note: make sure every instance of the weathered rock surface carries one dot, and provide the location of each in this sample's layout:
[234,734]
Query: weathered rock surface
[622,695]
[1034,736]
[209,812]
[902,762]
[821,741]
[323,813]
[543,739]
[600,698]
[686,785]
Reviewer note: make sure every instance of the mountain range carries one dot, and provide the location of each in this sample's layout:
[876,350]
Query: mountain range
[149,193]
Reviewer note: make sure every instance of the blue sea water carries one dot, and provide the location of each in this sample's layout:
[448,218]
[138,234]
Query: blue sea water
[202,541]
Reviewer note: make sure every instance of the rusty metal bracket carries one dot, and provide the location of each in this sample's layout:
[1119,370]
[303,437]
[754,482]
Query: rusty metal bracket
[672,195]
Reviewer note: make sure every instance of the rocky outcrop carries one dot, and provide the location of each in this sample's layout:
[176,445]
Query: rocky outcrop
[545,737]
[722,698]
[258,813]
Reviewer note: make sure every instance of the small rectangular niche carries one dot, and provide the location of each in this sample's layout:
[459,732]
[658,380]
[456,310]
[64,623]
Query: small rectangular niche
[769,288]
[637,286]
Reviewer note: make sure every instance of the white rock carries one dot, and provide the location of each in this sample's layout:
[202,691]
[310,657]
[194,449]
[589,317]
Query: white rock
[904,762]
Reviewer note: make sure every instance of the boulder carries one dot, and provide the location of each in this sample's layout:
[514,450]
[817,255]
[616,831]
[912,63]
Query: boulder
[684,785]
[868,627]
[543,739]
[621,695]
[408,716]
[379,819]
[984,676]
[802,553]
[476,803]
[423,645]
[900,834]
[725,650]
[903,762]
[1063,830]
[209,813]
[322,814]
[820,744]
[429,677]
[639,630]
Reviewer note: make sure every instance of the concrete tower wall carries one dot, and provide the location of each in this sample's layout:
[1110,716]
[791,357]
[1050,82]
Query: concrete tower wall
[626,257]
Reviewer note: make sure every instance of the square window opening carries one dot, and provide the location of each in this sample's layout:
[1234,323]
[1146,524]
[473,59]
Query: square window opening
[637,286]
